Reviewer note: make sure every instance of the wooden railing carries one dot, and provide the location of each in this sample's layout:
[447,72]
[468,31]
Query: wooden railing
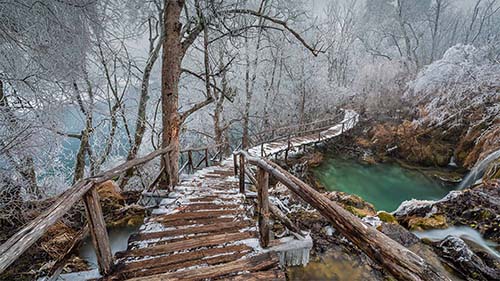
[208,155]
[83,190]
[297,130]
[307,129]
[398,260]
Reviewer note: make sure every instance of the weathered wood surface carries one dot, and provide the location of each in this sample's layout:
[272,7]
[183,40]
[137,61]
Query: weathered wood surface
[98,231]
[205,225]
[263,206]
[398,260]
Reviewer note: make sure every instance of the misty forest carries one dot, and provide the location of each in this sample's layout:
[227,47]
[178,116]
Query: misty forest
[250,140]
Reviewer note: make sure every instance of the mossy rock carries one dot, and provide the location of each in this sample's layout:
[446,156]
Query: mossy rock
[361,213]
[432,222]
[386,217]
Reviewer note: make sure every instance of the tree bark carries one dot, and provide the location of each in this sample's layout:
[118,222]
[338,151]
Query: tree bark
[171,72]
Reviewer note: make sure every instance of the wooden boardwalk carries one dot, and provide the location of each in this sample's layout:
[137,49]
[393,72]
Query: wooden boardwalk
[203,230]
[206,229]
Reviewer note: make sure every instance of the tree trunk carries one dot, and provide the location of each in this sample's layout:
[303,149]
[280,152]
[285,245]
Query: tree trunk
[171,72]
[140,125]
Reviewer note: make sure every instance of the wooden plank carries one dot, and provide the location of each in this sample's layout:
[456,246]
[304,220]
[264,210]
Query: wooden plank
[398,260]
[98,231]
[256,263]
[270,275]
[202,263]
[28,235]
[187,244]
[191,230]
[167,261]
[194,215]
[262,178]
[198,221]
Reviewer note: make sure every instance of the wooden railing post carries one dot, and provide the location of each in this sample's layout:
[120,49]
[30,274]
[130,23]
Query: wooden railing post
[262,154]
[190,161]
[235,163]
[206,157]
[242,173]
[342,127]
[263,206]
[98,231]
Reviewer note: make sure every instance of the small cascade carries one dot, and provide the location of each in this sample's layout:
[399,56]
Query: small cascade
[478,170]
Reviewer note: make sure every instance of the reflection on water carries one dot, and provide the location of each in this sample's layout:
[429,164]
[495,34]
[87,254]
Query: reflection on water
[118,238]
[384,185]
[463,232]
[331,268]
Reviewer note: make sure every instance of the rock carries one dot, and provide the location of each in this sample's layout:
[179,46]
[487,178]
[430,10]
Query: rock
[414,208]
[478,207]
[372,221]
[409,240]
[386,217]
[399,234]
[352,203]
[460,257]
[426,223]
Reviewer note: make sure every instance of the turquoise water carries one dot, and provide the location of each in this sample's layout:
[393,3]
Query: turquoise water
[383,185]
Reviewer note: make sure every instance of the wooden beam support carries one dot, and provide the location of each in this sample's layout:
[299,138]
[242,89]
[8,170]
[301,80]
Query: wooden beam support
[206,157]
[263,206]
[235,164]
[98,231]
[242,174]
[190,161]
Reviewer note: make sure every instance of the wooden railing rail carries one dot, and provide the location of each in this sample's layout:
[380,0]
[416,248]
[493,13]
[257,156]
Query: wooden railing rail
[207,156]
[305,131]
[86,190]
[276,131]
[398,260]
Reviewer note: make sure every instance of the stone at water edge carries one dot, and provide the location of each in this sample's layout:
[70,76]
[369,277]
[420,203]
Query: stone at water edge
[459,256]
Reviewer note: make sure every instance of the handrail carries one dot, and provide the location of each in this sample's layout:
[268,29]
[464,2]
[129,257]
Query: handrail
[84,189]
[299,125]
[398,260]
[299,133]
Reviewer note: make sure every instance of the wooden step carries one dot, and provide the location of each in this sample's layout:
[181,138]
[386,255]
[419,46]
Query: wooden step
[251,264]
[176,261]
[187,244]
[203,221]
[193,215]
[191,230]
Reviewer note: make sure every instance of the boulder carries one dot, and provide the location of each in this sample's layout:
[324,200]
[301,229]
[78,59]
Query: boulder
[352,203]
[426,223]
[457,254]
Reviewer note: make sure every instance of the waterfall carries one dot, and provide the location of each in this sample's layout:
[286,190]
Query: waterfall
[478,170]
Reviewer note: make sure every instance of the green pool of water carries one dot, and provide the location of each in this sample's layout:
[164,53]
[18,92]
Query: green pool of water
[383,185]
